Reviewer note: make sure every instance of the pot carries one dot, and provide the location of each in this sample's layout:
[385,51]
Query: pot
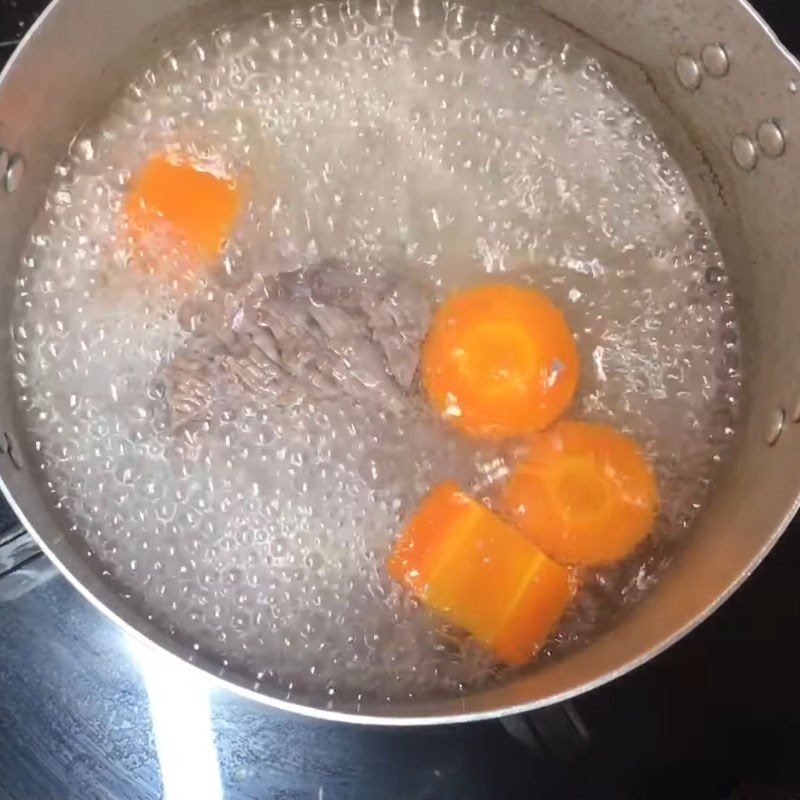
[723,94]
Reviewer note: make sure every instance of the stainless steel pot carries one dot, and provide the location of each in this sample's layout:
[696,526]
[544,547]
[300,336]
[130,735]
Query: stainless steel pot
[725,96]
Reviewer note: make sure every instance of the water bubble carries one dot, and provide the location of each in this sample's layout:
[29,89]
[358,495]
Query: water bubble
[199,316]
[233,272]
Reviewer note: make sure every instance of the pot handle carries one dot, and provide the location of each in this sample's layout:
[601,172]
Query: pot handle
[555,732]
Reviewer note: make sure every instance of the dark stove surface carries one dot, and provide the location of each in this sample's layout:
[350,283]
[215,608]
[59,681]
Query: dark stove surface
[86,713]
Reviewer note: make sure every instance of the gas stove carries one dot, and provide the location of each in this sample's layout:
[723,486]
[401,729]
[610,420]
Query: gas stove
[88,713]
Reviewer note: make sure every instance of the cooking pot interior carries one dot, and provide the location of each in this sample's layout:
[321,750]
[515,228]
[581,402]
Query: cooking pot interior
[82,52]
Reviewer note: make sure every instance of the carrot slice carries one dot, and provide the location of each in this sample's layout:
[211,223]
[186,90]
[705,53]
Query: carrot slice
[499,361]
[464,562]
[182,206]
[585,494]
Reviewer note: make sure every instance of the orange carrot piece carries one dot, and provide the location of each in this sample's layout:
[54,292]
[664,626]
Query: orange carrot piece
[499,361]
[463,561]
[585,494]
[191,208]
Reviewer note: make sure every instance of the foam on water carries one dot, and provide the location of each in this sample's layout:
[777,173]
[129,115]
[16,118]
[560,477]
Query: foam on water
[460,144]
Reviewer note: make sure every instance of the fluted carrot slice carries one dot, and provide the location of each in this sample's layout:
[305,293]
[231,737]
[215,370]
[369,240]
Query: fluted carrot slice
[464,562]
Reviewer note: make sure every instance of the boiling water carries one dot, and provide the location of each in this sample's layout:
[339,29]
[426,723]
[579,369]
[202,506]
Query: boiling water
[458,145]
